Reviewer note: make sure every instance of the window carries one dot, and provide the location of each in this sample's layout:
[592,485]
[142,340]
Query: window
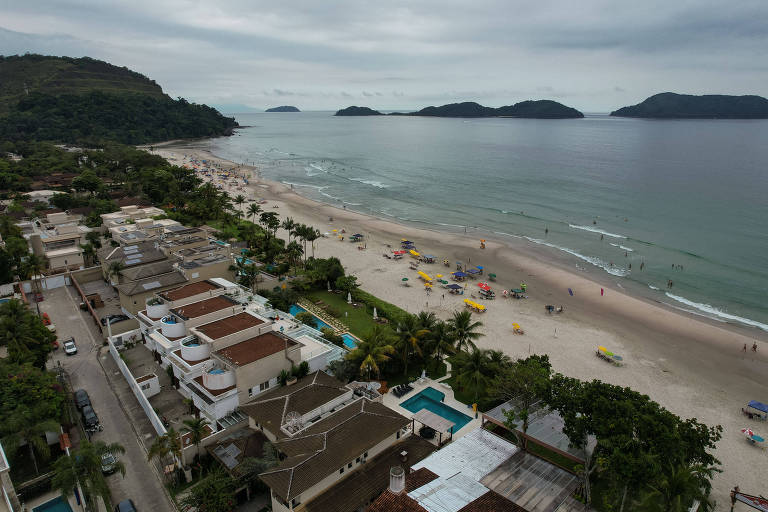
[144,386]
[357,460]
[398,435]
[365,454]
[349,465]
[341,471]
[264,386]
[295,502]
[250,392]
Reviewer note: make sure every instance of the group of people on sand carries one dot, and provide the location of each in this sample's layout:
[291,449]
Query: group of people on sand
[754,347]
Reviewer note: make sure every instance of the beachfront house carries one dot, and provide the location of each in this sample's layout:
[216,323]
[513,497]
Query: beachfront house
[57,239]
[328,432]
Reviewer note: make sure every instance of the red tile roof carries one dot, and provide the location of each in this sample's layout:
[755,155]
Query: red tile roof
[189,290]
[229,325]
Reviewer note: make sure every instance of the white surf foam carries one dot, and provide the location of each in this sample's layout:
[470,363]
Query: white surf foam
[653,287]
[614,271]
[628,249]
[710,310]
[596,230]
[372,183]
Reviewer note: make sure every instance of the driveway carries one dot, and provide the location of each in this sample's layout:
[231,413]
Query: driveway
[141,482]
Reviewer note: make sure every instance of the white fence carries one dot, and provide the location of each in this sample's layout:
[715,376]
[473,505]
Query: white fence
[143,401]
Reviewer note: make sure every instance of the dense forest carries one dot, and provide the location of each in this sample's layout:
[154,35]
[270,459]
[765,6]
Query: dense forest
[89,101]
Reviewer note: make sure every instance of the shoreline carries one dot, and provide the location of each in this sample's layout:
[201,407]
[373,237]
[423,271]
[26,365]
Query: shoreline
[690,364]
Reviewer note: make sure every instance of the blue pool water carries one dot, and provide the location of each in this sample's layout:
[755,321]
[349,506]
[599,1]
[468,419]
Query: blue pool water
[216,371]
[349,340]
[55,505]
[3,301]
[430,399]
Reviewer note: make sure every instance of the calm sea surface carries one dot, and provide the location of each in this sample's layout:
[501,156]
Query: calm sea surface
[611,192]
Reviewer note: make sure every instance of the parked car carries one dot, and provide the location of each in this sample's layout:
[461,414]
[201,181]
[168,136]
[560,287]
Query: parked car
[90,420]
[69,347]
[108,463]
[113,319]
[82,399]
[125,506]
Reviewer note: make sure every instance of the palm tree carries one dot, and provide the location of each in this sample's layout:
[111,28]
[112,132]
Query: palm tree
[311,235]
[166,446]
[83,467]
[472,370]
[115,269]
[253,210]
[426,320]
[677,488]
[464,330]
[293,251]
[239,200]
[499,360]
[440,341]
[288,225]
[89,253]
[197,428]
[34,266]
[374,349]
[26,428]
[94,238]
[410,334]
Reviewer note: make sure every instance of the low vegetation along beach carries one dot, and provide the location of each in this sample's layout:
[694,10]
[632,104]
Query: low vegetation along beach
[693,367]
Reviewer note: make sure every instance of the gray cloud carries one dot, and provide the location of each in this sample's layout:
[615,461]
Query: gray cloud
[246,52]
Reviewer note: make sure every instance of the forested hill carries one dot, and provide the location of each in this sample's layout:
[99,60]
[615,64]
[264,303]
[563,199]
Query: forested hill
[686,106]
[540,109]
[86,100]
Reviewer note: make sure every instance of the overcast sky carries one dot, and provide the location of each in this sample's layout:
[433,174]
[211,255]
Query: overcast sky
[594,55]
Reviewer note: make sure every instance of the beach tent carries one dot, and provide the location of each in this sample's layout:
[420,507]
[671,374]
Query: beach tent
[483,286]
[454,287]
[414,253]
[424,276]
[474,271]
[754,404]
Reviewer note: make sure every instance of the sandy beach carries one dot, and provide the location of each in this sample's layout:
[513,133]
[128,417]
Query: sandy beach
[692,366]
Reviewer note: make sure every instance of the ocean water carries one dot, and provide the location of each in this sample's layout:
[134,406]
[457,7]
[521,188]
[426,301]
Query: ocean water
[606,192]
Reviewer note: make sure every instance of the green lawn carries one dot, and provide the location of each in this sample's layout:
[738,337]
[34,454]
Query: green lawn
[359,321]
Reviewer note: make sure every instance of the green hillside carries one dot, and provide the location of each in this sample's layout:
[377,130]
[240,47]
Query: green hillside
[86,100]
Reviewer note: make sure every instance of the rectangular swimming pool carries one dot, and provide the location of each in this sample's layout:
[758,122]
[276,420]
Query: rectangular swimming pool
[431,400]
[349,340]
[58,504]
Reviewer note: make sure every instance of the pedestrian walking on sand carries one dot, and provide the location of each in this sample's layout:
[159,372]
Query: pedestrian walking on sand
[754,347]
[745,348]
[642,265]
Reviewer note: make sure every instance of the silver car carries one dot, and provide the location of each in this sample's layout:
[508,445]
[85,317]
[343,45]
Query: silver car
[69,347]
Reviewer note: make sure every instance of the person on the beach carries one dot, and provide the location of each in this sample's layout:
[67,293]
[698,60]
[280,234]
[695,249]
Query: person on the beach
[754,347]
[745,348]
[642,265]
[601,237]
[546,231]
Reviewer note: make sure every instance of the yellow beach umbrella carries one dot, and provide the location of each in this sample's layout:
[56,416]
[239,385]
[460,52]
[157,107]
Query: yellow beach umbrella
[515,326]
[438,276]
[602,348]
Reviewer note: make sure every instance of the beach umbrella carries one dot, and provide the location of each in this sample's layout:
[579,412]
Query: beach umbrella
[335,230]
[438,276]
[329,285]
[375,313]
[349,298]
[747,431]
[602,348]
[404,279]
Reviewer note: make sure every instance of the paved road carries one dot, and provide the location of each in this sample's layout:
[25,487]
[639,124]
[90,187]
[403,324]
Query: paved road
[141,482]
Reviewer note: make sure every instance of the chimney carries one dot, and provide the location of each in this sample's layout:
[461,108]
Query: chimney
[396,480]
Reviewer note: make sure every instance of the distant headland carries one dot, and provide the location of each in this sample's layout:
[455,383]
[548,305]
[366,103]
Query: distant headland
[669,105]
[284,108]
[541,109]
[358,111]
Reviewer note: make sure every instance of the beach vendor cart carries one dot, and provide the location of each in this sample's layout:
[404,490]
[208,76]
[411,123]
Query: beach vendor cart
[458,276]
[752,438]
[398,255]
[756,410]
[516,293]
[455,289]
[485,291]
[427,258]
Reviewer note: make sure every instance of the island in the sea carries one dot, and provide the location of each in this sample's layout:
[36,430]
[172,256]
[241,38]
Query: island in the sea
[669,105]
[540,109]
[358,111]
[284,108]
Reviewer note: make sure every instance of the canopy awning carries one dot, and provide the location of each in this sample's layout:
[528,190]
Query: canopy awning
[758,405]
[433,421]
[424,276]
[414,253]
[454,287]
[459,274]
[473,271]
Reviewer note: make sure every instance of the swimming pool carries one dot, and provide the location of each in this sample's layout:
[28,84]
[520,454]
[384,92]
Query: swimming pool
[431,400]
[349,340]
[58,504]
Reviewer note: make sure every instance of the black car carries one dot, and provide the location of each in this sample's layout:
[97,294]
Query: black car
[113,319]
[125,506]
[82,399]
[90,420]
